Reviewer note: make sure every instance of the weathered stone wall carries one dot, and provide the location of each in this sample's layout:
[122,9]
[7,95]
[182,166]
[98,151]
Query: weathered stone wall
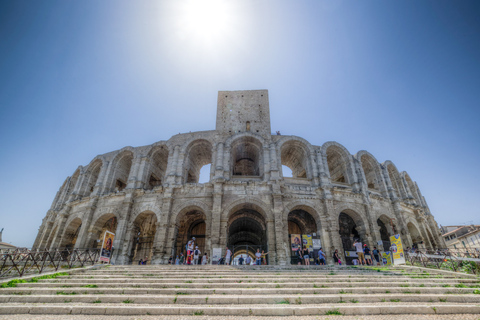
[159,184]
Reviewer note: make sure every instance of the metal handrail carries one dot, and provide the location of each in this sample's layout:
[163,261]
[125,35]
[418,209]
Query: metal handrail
[20,262]
[455,260]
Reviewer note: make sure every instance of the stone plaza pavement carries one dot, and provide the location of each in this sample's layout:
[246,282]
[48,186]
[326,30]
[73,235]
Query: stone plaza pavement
[226,292]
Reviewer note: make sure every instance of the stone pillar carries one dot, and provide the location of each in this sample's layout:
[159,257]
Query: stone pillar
[60,229]
[333,230]
[120,244]
[132,177]
[85,230]
[266,163]
[215,221]
[272,248]
[142,177]
[172,165]
[99,185]
[279,224]
[315,176]
[219,160]
[274,174]
[105,177]
[160,253]
[45,235]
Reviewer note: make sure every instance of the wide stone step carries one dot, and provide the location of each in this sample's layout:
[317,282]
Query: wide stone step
[239,291]
[244,310]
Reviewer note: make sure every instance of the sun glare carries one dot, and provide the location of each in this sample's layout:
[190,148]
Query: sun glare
[206,20]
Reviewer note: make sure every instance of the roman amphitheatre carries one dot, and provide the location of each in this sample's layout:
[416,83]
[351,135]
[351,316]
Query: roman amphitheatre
[151,198]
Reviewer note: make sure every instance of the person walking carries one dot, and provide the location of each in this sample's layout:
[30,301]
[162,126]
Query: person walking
[228,255]
[336,258]
[204,259]
[196,255]
[182,258]
[321,257]
[258,257]
[264,257]
[190,246]
[368,256]
[177,261]
[358,246]
[376,255]
[306,257]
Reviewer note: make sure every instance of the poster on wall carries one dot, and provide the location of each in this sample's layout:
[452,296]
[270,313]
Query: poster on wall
[307,242]
[216,255]
[386,258]
[397,250]
[107,246]
[317,244]
[296,242]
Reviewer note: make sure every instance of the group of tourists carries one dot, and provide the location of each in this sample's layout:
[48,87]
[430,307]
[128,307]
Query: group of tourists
[193,256]
[365,254]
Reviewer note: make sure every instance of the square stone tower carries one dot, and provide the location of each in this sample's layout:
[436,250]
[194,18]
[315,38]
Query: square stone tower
[243,111]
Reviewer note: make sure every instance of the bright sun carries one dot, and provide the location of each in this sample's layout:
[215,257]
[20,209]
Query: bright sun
[206,20]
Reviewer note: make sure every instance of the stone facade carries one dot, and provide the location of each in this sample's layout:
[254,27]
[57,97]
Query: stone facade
[151,198]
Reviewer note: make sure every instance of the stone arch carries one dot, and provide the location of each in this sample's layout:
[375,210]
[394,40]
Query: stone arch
[92,173]
[372,172]
[352,225]
[415,234]
[198,153]
[105,222]
[144,227]
[71,232]
[248,203]
[246,156]
[396,180]
[339,163]
[157,170]
[190,221]
[384,223]
[295,153]
[410,185]
[122,165]
[73,180]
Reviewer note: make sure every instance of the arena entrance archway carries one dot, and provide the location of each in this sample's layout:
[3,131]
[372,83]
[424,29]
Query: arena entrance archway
[386,231]
[144,229]
[191,224]
[107,222]
[247,232]
[351,227]
[300,223]
[71,233]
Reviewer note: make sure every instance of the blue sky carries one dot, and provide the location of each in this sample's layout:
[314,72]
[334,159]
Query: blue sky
[80,78]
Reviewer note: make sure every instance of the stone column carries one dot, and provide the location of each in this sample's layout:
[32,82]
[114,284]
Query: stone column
[105,177]
[99,185]
[274,174]
[85,229]
[280,234]
[315,176]
[60,229]
[333,230]
[120,244]
[45,235]
[215,225]
[172,165]
[266,163]
[160,253]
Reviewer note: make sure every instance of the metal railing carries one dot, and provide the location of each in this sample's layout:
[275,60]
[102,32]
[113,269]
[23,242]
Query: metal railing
[446,259]
[20,262]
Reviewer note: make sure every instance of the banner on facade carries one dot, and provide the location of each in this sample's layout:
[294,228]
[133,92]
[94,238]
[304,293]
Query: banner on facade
[317,244]
[386,258]
[397,249]
[107,246]
[307,242]
[296,242]
[216,255]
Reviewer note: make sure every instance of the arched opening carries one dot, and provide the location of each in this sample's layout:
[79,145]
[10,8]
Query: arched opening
[386,231]
[93,172]
[73,181]
[199,154]
[415,235]
[247,232]
[295,157]
[350,228]
[191,224]
[144,228]
[371,171]
[287,172]
[337,162]
[158,167]
[205,173]
[302,230]
[71,233]
[122,170]
[247,157]
[396,182]
[107,222]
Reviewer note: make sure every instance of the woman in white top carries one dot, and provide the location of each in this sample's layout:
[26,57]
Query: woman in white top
[204,259]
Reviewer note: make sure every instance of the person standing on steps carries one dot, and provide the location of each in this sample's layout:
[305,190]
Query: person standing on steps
[196,255]
[190,246]
[358,245]
[376,255]
[181,258]
[264,257]
[306,256]
[321,257]
[228,255]
[336,258]
[368,256]
[204,259]
[248,261]
[258,257]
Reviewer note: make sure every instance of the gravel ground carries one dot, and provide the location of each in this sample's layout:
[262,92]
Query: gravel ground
[379,317]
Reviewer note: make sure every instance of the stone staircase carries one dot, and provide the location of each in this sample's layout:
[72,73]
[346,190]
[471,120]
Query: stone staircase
[245,291]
